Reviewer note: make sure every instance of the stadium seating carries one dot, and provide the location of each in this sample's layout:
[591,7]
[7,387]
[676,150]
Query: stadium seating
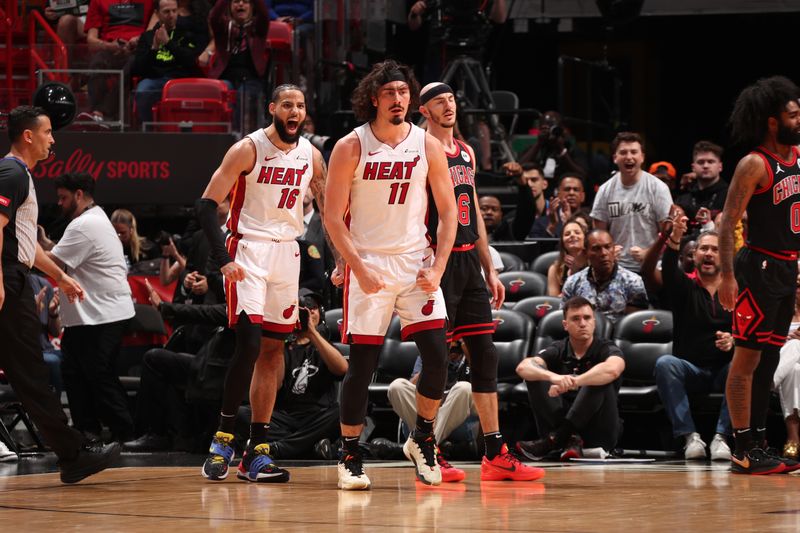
[522,284]
[205,103]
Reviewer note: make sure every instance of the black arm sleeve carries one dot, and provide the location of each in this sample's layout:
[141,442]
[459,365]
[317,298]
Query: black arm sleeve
[206,211]
[525,214]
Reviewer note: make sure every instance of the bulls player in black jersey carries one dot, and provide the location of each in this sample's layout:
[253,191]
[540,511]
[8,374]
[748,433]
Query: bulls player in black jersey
[465,290]
[759,285]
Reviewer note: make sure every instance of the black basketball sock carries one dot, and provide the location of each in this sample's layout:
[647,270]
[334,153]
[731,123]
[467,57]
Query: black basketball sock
[494,443]
[424,425]
[350,445]
[743,439]
[258,433]
[227,423]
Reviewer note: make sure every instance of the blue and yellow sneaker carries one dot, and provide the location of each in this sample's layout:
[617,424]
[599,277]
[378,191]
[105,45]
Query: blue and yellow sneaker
[220,454]
[257,466]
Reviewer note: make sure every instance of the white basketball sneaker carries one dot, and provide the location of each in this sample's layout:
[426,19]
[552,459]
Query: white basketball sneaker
[421,450]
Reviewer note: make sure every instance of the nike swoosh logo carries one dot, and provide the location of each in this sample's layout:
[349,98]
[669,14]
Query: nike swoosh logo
[375,152]
[425,258]
[744,464]
[511,468]
[297,254]
[270,158]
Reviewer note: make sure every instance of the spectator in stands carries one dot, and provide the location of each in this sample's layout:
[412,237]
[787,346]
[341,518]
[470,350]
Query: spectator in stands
[571,257]
[530,175]
[239,47]
[633,204]
[555,151]
[193,18]
[456,407]
[704,186]
[93,328]
[165,416]
[194,250]
[612,289]
[702,346]
[665,171]
[570,196]
[573,386]
[516,225]
[787,382]
[166,52]
[113,28]
[134,247]
[48,305]
[69,23]
[307,409]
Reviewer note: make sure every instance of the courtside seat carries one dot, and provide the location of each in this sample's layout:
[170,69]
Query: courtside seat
[511,261]
[195,100]
[537,307]
[512,339]
[522,284]
[396,360]
[542,263]
[643,336]
[551,329]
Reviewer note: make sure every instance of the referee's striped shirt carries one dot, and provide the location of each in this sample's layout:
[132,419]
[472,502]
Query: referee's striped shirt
[18,203]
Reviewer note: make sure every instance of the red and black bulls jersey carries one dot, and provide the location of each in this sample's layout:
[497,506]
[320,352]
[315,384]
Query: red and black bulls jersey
[462,172]
[774,210]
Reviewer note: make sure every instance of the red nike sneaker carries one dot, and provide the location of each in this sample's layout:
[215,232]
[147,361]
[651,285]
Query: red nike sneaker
[507,467]
[450,474]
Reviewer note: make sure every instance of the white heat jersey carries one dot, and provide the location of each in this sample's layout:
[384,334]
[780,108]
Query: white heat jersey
[267,203]
[389,194]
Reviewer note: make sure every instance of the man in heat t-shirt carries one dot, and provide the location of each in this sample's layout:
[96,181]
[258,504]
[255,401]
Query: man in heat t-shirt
[113,28]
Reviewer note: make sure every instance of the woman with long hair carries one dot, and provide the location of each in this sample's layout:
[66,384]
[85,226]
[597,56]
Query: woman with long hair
[135,247]
[571,256]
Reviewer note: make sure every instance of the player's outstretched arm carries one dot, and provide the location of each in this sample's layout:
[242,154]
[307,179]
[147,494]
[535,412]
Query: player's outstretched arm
[343,163]
[442,189]
[749,174]
[239,159]
[318,180]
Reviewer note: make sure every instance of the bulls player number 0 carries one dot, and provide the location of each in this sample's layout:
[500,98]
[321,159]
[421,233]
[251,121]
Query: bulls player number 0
[795,215]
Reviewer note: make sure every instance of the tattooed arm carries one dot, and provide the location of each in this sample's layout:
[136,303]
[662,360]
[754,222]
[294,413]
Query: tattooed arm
[318,189]
[749,175]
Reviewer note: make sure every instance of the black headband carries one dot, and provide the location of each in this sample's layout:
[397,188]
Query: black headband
[435,91]
[393,75]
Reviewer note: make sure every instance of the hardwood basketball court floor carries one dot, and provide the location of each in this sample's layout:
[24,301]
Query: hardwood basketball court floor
[139,496]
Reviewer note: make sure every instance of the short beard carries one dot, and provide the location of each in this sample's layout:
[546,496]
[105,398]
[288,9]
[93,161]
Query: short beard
[396,120]
[787,136]
[280,127]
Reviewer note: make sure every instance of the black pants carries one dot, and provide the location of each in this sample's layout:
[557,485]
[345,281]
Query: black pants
[293,435]
[161,402]
[593,411]
[91,380]
[21,359]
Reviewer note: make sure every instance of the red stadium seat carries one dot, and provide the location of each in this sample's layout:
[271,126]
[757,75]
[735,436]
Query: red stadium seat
[200,101]
[279,36]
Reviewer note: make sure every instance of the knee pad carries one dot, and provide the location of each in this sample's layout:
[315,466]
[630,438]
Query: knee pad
[432,345]
[362,364]
[483,363]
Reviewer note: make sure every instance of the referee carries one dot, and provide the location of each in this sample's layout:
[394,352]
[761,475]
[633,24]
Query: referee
[31,136]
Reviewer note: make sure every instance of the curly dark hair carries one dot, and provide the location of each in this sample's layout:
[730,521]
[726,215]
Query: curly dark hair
[368,88]
[758,102]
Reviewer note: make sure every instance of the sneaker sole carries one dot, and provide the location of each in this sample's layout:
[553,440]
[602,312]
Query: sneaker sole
[281,477]
[508,476]
[420,477]
[354,486]
[776,470]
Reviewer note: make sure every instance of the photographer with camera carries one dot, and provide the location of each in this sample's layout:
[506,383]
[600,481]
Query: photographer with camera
[555,152]
[306,414]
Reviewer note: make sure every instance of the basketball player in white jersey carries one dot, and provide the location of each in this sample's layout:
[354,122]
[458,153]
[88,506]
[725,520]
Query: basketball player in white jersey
[266,175]
[465,290]
[381,175]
